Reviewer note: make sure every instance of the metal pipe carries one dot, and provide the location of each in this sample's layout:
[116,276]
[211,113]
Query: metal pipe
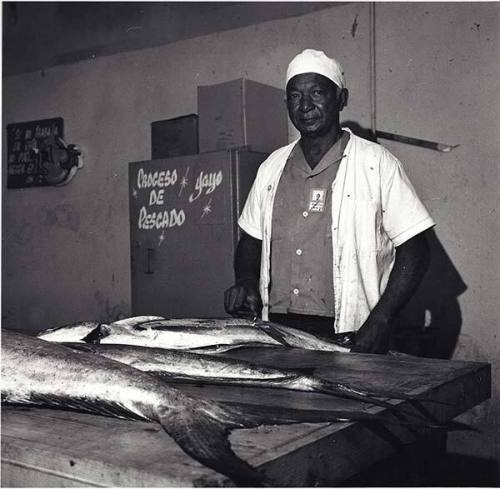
[373,73]
[423,143]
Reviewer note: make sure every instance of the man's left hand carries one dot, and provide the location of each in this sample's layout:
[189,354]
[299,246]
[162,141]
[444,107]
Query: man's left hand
[373,336]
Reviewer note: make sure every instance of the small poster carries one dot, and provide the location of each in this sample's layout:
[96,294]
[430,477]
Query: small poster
[29,163]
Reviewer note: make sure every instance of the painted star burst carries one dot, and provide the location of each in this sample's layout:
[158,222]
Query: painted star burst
[184,181]
[207,208]
[162,238]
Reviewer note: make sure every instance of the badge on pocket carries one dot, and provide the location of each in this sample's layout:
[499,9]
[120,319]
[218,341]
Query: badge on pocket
[317,200]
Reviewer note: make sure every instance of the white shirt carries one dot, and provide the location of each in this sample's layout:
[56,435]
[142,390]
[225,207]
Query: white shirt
[374,209]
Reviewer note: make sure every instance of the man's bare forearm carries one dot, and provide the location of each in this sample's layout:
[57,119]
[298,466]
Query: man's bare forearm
[411,263]
[247,259]
[243,297]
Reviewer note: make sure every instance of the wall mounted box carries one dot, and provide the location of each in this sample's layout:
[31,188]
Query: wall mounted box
[184,230]
[174,137]
[242,113]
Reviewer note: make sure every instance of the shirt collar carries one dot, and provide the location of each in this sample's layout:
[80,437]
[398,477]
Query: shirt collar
[332,156]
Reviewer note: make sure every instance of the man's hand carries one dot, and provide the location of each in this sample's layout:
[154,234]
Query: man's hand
[373,336]
[243,299]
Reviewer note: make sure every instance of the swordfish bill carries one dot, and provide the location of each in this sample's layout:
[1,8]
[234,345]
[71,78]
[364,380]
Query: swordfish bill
[37,372]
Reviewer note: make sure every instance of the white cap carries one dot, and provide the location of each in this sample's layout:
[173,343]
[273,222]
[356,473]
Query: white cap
[312,61]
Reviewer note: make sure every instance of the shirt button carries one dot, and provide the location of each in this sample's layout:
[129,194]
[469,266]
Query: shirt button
[299,252]
[305,213]
[296,291]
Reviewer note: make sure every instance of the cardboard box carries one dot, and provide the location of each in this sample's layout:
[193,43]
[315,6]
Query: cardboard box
[241,113]
[174,137]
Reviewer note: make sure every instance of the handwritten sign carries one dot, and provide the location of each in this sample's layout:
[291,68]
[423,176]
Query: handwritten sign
[174,193]
[27,166]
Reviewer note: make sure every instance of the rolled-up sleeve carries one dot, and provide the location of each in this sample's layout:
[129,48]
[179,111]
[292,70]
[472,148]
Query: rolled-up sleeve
[403,213]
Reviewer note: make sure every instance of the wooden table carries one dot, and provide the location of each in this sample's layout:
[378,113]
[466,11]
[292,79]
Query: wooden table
[42,447]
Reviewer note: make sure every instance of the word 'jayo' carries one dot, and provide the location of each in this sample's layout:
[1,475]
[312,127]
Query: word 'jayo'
[206,181]
[160,220]
[163,178]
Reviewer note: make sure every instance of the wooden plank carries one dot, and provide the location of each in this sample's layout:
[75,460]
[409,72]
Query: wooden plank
[104,451]
[68,448]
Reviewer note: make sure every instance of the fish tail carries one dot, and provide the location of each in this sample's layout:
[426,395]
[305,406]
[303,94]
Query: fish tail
[262,414]
[337,389]
[404,397]
[204,437]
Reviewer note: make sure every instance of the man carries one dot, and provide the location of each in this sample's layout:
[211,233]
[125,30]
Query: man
[333,232]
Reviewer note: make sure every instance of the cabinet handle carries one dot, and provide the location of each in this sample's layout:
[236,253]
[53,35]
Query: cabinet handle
[150,255]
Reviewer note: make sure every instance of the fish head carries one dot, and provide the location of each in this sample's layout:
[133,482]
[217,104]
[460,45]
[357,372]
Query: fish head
[69,332]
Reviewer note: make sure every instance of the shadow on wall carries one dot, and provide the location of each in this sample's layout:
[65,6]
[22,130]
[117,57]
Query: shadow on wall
[430,323]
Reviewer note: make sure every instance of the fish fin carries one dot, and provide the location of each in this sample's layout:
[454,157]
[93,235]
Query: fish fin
[96,334]
[273,332]
[205,438]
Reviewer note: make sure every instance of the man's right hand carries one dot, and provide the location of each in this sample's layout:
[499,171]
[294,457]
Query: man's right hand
[243,299]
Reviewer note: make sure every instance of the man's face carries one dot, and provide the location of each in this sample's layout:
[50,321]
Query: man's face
[314,103]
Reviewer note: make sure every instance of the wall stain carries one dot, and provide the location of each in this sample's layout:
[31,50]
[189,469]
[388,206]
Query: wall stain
[354,27]
[63,216]
[24,235]
[110,313]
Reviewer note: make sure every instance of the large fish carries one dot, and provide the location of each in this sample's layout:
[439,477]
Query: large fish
[194,367]
[41,373]
[37,372]
[213,336]
[202,335]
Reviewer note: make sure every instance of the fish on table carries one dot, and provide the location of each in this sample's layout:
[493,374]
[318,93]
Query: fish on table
[184,365]
[40,373]
[201,335]
[210,336]
[37,372]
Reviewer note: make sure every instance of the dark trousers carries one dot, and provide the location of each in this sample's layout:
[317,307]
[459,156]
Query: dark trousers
[320,326]
[317,325]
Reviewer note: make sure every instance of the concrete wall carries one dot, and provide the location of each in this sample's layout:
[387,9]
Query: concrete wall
[66,250]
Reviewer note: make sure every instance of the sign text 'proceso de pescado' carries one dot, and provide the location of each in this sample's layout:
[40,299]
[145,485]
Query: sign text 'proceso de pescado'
[159,182]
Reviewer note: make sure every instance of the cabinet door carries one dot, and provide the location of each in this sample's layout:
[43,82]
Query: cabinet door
[182,235]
